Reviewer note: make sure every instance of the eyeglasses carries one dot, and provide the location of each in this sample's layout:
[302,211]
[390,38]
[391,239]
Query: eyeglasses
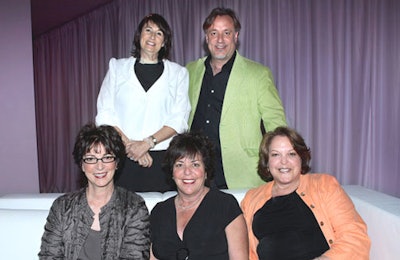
[182,254]
[104,159]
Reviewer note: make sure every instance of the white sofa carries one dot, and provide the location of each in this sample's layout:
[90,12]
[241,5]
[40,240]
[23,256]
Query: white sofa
[22,218]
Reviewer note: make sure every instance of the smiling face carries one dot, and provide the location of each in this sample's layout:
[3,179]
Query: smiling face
[284,163]
[222,38]
[99,174]
[189,175]
[151,40]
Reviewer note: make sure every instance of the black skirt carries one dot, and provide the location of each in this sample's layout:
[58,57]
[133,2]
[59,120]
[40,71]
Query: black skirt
[136,178]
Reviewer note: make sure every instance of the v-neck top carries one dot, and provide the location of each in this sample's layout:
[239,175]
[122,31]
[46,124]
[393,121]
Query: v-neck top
[204,235]
[147,74]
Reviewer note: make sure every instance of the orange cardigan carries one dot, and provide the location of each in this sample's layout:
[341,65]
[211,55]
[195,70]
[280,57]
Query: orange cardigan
[342,226]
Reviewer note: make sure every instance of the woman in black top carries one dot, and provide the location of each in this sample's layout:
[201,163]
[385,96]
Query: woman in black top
[145,97]
[199,222]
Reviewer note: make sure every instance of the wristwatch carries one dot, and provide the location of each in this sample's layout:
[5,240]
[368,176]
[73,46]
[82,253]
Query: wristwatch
[153,139]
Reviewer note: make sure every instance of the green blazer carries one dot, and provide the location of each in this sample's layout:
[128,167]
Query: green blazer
[250,97]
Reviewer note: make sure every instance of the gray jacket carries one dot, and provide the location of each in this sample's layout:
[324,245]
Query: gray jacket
[124,223]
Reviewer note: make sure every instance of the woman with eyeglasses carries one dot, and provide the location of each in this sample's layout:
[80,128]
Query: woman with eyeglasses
[199,222]
[101,220]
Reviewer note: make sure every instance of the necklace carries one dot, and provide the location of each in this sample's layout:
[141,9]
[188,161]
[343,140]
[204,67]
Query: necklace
[148,61]
[192,204]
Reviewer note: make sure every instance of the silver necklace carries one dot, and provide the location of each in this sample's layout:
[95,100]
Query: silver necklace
[191,205]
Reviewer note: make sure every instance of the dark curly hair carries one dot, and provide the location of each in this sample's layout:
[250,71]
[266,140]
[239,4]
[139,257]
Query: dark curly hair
[297,142]
[189,145]
[164,27]
[91,136]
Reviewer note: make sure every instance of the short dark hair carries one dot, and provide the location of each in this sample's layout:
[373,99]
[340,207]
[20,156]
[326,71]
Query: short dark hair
[164,27]
[297,142]
[91,136]
[221,11]
[190,144]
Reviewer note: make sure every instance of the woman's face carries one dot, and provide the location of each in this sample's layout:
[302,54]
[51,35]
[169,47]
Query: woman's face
[100,173]
[284,163]
[189,175]
[151,39]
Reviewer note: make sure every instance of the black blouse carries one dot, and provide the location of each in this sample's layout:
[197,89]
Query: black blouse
[204,237]
[286,228]
[148,74]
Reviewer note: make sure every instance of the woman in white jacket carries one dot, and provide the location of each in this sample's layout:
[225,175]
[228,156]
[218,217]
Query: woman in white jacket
[145,97]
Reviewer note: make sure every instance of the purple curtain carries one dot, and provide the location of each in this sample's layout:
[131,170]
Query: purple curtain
[335,62]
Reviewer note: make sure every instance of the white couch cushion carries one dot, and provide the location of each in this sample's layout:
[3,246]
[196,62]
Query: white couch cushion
[381,212]
[151,198]
[20,233]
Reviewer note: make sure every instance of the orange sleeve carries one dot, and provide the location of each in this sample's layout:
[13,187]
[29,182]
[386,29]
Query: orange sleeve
[350,239]
[253,200]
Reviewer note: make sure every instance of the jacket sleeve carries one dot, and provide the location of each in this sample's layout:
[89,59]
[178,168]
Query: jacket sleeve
[52,246]
[105,100]
[269,102]
[136,240]
[179,115]
[247,205]
[350,240]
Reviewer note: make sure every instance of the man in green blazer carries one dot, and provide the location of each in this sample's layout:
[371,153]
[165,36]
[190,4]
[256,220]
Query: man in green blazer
[230,97]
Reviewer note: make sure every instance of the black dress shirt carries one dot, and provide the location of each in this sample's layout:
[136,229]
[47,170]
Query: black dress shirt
[208,112]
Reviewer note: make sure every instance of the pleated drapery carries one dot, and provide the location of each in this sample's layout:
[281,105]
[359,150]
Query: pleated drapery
[335,62]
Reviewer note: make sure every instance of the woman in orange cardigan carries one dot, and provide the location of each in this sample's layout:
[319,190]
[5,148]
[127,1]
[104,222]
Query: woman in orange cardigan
[297,215]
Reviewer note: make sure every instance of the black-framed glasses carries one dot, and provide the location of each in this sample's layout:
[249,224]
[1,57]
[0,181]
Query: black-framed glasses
[104,159]
[182,254]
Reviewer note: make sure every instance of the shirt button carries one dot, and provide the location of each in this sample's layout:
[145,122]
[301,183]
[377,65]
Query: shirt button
[321,223]
[207,121]
[302,194]
[212,91]
[330,241]
[208,105]
[312,206]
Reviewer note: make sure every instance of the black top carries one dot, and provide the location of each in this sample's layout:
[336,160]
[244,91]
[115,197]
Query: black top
[287,229]
[208,112]
[147,74]
[204,236]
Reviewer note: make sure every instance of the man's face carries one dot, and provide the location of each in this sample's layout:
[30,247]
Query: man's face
[222,38]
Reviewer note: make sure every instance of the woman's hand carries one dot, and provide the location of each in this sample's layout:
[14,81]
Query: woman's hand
[146,160]
[136,149]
